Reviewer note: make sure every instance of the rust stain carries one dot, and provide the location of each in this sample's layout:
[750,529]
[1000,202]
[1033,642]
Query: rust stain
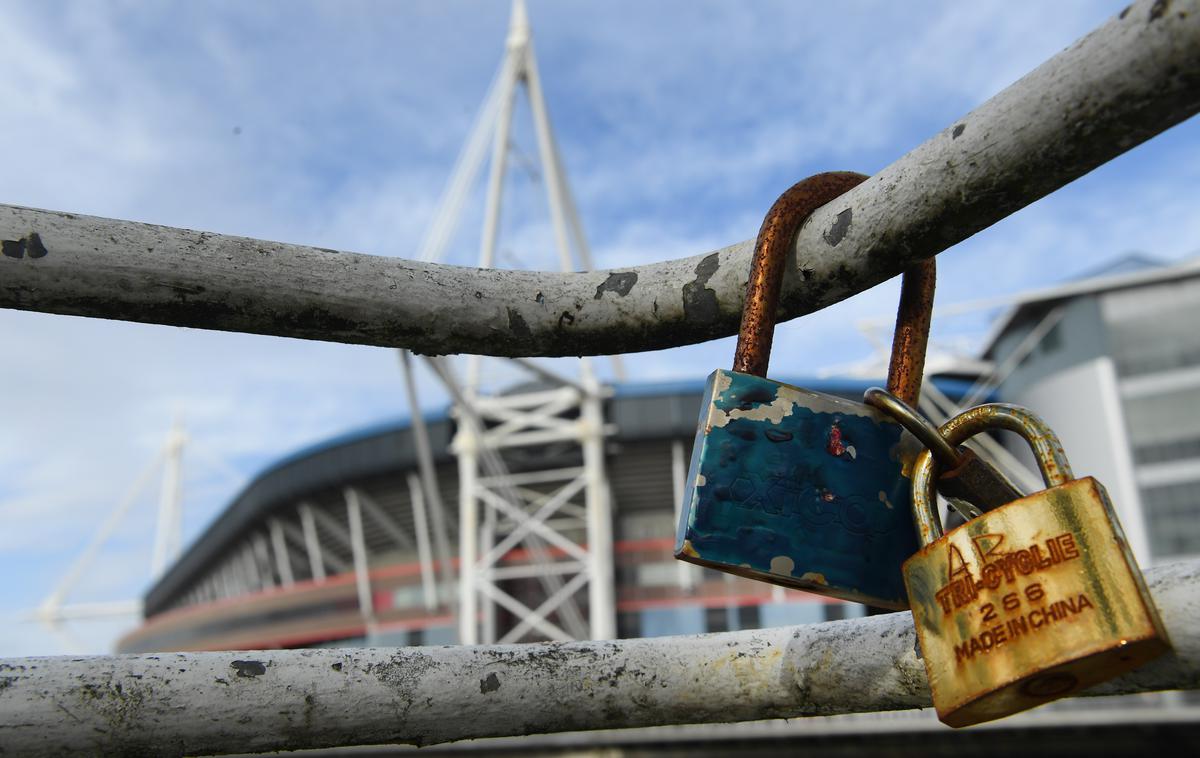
[834,446]
[688,550]
[911,337]
[771,249]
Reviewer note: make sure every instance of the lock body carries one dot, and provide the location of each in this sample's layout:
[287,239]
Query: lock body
[801,489]
[1030,602]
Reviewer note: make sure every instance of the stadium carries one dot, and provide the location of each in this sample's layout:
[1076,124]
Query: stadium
[544,510]
[277,568]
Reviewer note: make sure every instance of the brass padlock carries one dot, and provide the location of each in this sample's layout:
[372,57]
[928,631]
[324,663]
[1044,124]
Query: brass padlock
[799,488]
[1029,602]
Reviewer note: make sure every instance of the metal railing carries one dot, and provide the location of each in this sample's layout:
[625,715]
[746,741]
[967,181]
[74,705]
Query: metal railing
[1132,78]
[290,699]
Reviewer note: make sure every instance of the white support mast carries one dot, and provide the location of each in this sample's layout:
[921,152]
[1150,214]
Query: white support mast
[530,539]
[55,611]
[168,537]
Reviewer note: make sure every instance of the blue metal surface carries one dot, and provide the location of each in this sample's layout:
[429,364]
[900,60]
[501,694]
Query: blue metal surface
[801,489]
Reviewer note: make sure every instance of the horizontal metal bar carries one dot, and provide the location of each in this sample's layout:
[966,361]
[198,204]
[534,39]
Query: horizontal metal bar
[175,703]
[532,477]
[1134,77]
[536,569]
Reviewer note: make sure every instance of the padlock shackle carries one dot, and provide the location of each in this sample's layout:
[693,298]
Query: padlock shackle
[916,424]
[911,337]
[775,239]
[1047,450]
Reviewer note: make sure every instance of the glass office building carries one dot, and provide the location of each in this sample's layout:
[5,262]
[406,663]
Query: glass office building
[1113,363]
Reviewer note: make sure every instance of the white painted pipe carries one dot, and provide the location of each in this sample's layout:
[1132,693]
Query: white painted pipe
[1132,78]
[176,703]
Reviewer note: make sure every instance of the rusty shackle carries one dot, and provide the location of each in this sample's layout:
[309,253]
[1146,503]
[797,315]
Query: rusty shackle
[775,240]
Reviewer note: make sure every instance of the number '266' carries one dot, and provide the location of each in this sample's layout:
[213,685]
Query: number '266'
[1012,601]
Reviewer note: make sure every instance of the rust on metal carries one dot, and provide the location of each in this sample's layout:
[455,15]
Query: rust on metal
[911,337]
[775,239]
[1047,450]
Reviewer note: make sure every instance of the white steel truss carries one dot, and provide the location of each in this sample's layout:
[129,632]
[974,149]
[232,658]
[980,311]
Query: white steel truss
[54,612]
[530,540]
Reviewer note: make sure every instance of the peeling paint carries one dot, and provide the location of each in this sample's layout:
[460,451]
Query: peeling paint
[517,325]
[249,668]
[780,472]
[620,283]
[699,300]
[815,577]
[772,413]
[30,244]
[841,225]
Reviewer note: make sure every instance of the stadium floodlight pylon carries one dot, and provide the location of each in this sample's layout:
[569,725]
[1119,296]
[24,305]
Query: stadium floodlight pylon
[54,612]
[557,518]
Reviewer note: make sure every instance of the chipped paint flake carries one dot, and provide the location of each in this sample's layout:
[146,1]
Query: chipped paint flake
[722,381]
[773,412]
[782,565]
[814,577]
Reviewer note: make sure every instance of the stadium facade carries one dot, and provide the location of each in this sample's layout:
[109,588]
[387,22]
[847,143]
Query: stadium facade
[277,569]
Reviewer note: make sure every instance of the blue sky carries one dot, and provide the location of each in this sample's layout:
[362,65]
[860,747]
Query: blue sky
[336,124]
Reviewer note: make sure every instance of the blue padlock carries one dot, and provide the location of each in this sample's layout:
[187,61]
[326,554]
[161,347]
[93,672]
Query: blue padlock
[799,488]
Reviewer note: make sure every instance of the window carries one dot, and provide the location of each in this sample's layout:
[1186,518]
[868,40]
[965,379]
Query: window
[1173,518]
[659,622]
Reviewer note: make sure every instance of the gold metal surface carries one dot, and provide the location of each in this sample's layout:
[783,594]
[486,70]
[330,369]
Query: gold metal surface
[1046,447]
[1028,603]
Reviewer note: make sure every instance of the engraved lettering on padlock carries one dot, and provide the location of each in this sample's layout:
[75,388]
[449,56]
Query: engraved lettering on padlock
[794,487]
[1031,601]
